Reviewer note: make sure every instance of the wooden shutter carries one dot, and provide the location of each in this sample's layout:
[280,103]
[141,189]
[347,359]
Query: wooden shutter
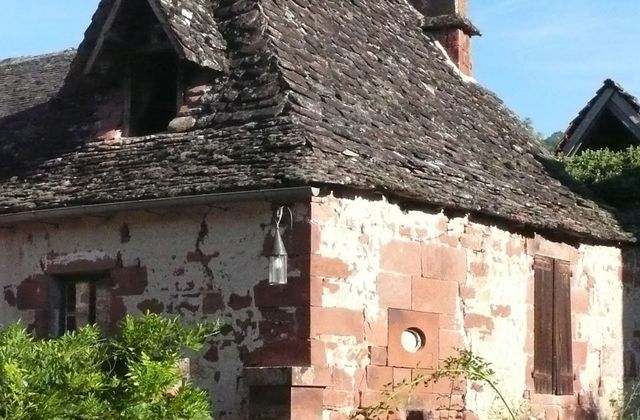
[543,326]
[563,361]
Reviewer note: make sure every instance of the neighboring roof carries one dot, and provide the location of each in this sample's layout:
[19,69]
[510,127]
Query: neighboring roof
[611,98]
[29,81]
[340,93]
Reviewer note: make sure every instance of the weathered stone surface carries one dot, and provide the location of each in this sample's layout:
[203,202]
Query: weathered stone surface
[181,124]
[483,303]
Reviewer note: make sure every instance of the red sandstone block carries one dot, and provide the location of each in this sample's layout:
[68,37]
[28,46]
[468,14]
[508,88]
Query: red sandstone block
[129,281]
[417,374]
[405,231]
[318,353]
[237,302]
[450,322]
[370,398]
[467,292]
[348,380]
[322,212]
[472,240]
[315,290]
[33,293]
[401,375]
[284,324]
[551,413]
[401,257]
[315,238]
[501,311]
[117,312]
[212,303]
[435,296]
[337,321]
[579,301]
[449,387]
[449,342]
[378,355]
[299,238]
[337,398]
[394,290]
[378,377]
[580,352]
[306,403]
[444,263]
[479,269]
[311,376]
[401,320]
[285,353]
[376,330]
[478,321]
[328,267]
[295,293]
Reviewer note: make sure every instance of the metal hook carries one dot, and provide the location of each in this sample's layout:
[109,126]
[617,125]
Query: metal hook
[279,214]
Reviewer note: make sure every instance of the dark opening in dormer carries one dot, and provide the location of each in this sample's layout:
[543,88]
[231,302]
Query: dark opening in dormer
[151,94]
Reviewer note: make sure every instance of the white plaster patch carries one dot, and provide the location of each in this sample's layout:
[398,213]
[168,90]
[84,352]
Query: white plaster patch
[64,259]
[450,63]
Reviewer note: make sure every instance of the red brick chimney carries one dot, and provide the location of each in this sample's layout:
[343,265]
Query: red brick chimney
[447,22]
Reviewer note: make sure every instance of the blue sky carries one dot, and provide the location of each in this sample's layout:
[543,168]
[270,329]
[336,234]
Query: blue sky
[544,58]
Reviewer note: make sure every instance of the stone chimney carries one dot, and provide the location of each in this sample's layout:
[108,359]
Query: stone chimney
[447,22]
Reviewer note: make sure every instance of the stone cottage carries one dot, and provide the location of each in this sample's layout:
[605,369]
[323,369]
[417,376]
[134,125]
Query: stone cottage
[418,214]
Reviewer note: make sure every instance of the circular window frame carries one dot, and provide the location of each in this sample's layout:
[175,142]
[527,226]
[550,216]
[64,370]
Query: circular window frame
[412,335]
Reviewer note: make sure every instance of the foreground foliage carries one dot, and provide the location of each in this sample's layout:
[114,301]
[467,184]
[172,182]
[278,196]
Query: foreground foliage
[81,375]
[465,365]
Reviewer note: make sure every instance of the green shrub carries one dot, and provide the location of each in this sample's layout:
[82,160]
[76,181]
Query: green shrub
[81,375]
[612,175]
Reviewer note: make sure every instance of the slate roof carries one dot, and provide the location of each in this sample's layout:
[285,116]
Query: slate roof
[340,92]
[608,84]
[29,81]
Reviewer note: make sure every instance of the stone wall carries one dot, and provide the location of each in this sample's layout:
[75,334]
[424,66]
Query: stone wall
[200,264]
[361,272]
[377,270]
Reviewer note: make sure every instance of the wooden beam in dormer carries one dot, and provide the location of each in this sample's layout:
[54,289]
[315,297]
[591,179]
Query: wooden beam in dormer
[103,34]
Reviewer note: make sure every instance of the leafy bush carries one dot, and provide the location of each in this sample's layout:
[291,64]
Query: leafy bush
[613,175]
[82,375]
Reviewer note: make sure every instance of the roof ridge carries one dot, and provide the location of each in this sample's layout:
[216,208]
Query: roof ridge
[21,59]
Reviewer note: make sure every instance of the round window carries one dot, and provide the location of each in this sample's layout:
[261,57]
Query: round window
[412,340]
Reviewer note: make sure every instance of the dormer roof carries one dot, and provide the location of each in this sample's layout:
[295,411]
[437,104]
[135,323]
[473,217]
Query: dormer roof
[346,94]
[611,119]
[189,25]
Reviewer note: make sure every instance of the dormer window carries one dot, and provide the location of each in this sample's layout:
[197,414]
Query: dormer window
[151,93]
[150,63]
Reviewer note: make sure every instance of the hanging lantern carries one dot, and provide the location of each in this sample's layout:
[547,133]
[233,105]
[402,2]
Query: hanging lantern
[278,258]
[278,261]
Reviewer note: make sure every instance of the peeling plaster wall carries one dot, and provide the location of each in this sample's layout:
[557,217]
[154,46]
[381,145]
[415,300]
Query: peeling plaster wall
[376,269]
[201,264]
